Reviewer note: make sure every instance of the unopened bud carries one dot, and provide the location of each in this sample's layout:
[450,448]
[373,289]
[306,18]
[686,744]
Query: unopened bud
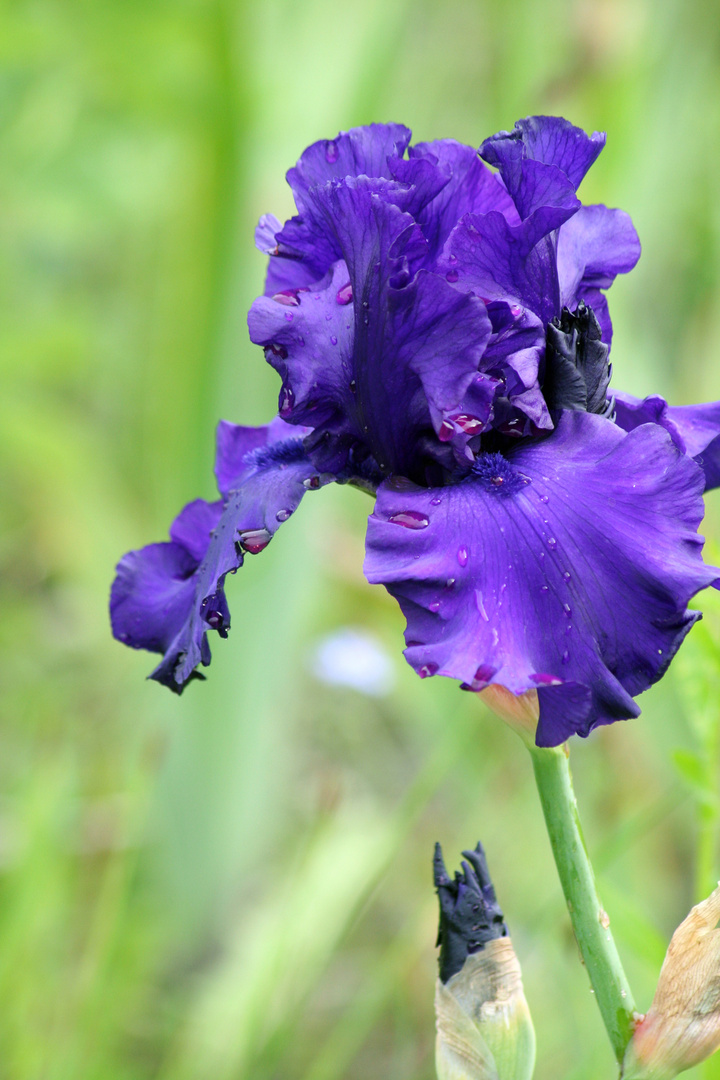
[484,1030]
[682,1027]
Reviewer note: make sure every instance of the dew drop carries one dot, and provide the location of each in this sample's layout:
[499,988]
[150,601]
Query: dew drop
[452,275]
[283,515]
[445,432]
[567,610]
[515,311]
[546,680]
[353,386]
[471,425]
[344,295]
[328,318]
[435,501]
[568,630]
[287,400]
[289,316]
[544,498]
[462,555]
[275,350]
[544,588]
[427,669]
[551,543]
[312,483]
[331,151]
[450,583]
[565,657]
[659,652]
[254,540]
[409,519]
[435,606]
[567,576]
[333,339]
[288,297]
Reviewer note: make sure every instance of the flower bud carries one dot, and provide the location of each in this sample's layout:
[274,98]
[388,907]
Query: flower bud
[682,1027]
[484,1030]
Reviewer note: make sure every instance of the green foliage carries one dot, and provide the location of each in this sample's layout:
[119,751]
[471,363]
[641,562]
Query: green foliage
[237,883]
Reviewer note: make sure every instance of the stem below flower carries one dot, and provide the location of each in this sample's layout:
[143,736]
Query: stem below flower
[589,920]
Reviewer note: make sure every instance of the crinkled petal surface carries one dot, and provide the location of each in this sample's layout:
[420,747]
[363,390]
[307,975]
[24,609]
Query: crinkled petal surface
[695,429]
[547,140]
[594,246]
[167,596]
[565,567]
[381,349]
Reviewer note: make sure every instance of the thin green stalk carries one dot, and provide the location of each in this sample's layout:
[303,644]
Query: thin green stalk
[589,920]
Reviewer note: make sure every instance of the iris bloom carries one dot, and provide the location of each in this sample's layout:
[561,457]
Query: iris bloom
[442,336]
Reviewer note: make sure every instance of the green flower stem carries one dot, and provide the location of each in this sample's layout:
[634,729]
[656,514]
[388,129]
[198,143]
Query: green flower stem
[589,920]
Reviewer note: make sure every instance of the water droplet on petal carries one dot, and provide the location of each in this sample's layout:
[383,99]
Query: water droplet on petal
[283,515]
[471,425]
[546,680]
[551,543]
[452,275]
[567,576]
[409,519]
[287,400]
[289,316]
[544,588]
[427,669]
[345,294]
[450,583]
[435,501]
[462,555]
[435,606]
[312,483]
[567,610]
[565,657]
[544,498]
[353,386]
[254,540]
[515,311]
[333,339]
[331,151]
[288,297]
[446,431]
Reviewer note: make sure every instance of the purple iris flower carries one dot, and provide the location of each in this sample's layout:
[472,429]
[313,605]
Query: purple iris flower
[442,336]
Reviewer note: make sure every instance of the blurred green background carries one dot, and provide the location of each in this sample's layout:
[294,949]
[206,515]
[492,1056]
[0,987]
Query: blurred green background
[236,884]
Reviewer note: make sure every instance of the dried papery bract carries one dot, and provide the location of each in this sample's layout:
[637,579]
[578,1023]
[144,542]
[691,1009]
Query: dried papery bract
[682,1027]
[484,1029]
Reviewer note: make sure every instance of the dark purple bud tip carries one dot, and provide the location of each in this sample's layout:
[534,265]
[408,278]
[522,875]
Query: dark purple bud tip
[577,372]
[469,912]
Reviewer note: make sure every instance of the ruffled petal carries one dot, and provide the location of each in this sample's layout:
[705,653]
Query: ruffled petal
[517,264]
[594,246]
[167,596]
[549,140]
[380,350]
[362,151]
[472,189]
[564,567]
[695,429]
